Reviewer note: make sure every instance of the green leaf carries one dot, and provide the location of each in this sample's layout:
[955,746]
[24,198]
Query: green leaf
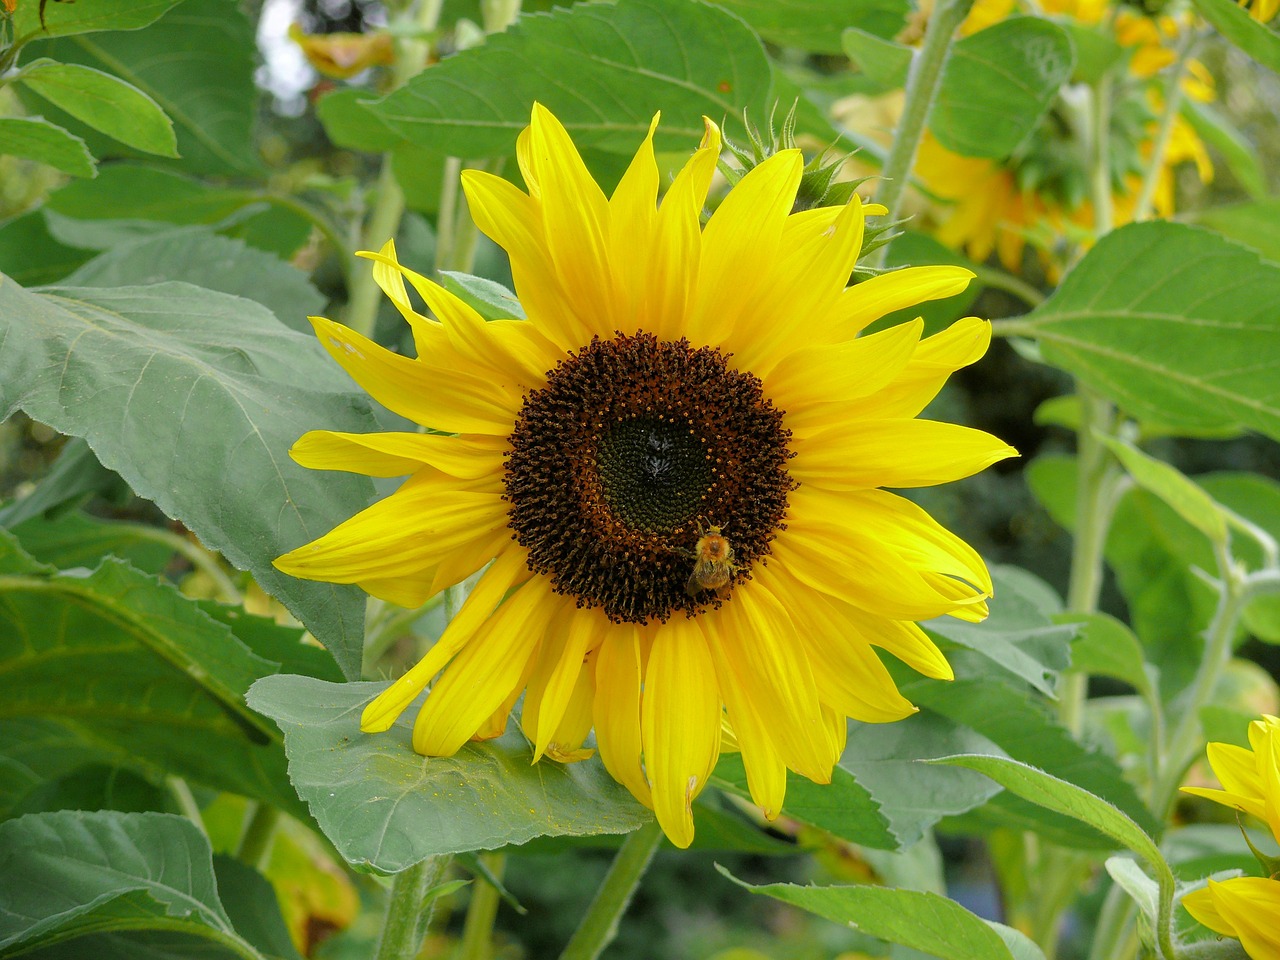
[117,665]
[884,759]
[843,807]
[206,88]
[1172,322]
[128,202]
[75,477]
[1241,156]
[914,918]
[1254,224]
[1069,800]
[86,16]
[250,902]
[997,84]
[223,389]
[643,59]
[66,874]
[816,25]
[349,123]
[35,138]
[491,300]
[201,257]
[885,61]
[1107,648]
[1234,23]
[74,539]
[96,786]
[1168,483]
[1019,636]
[1144,891]
[1096,50]
[105,103]
[32,255]
[386,808]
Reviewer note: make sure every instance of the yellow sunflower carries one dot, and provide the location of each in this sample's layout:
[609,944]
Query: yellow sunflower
[683,406]
[1247,908]
[1250,778]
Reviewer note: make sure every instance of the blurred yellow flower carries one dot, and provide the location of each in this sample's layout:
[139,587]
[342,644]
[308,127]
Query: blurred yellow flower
[343,55]
[1261,10]
[1247,908]
[675,466]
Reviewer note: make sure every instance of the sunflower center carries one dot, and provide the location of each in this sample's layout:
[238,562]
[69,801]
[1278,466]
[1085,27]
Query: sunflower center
[630,452]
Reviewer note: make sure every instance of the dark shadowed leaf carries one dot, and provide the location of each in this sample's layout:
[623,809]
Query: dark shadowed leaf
[816,25]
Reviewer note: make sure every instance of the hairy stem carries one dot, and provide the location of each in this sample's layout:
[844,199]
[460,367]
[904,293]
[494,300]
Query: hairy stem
[254,848]
[477,931]
[600,925]
[922,90]
[407,919]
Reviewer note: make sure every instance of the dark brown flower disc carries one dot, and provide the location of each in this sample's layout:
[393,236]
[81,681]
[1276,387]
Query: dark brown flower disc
[630,447]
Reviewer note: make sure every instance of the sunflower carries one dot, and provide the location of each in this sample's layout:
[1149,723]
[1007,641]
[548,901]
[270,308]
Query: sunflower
[1247,908]
[1041,193]
[1250,777]
[672,384]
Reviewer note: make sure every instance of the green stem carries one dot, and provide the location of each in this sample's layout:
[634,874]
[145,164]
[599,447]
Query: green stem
[186,801]
[199,558]
[1100,158]
[999,280]
[407,919]
[1172,103]
[1186,739]
[477,931]
[600,925]
[259,833]
[384,221]
[447,218]
[922,89]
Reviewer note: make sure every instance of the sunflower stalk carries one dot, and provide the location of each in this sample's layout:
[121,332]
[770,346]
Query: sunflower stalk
[409,909]
[600,924]
[477,930]
[922,89]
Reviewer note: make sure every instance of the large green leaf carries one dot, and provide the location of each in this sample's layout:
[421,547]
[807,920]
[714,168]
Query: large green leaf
[914,918]
[206,88]
[1255,223]
[199,256]
[998,83]
[386,808]
[842,807]
[67,874]
[1241,157]
[685,59]
[105,103]
[816,25]
[85,16]
[1174,323]
[35,138]
[1234,23]
[194,397]
[129,202]
[115,665]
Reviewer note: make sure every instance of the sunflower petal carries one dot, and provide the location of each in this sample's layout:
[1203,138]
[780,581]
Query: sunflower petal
[556,676]
[938,356]
[872,299]
[617,710]
[894,453]
[680,718]
[508,570]
[398,454]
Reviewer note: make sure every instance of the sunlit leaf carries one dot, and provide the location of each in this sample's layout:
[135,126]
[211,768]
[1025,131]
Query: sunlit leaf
[1233,22]
[386,808]
[172,385]
[35,138]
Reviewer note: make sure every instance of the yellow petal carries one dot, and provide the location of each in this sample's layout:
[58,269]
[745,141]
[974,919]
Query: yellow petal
[894,453]
[485,672]
[575,216]
[433,396]
[815,385]
[411,529]
[937,357]
[741,244]
[1247,908]
[556,675]
[818,253]
[760,638]
[680,718]
[575,722]
[872,299]
[677,250]
[632,212]
[397,454]
[617,710]
[508,570]
[766,772]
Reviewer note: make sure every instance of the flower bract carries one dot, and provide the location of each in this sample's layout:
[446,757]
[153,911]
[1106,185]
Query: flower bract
[672,381]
